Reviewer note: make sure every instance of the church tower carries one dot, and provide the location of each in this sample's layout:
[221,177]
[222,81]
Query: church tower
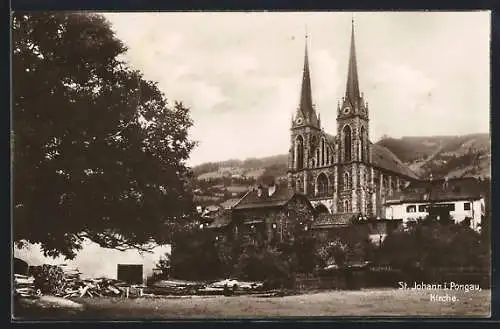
[305,131]
[354,145]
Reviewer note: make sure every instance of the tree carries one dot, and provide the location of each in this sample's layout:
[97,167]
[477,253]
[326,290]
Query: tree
[98,153]
[429,246]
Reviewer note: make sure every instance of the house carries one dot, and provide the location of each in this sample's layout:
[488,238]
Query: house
[269,212]
[458,199]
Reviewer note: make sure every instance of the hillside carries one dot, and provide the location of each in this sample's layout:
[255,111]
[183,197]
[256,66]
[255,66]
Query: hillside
[441,156]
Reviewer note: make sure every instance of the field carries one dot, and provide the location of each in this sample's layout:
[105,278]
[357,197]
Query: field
[381,302]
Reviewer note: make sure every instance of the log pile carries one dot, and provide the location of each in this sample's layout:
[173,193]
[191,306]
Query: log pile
[63,281]
[24,286]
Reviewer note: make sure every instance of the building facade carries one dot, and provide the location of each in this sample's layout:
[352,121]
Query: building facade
[458,199]
[343,172]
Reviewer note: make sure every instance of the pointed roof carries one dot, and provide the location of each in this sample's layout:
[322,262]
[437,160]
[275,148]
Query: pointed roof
[306,92]
[352,85]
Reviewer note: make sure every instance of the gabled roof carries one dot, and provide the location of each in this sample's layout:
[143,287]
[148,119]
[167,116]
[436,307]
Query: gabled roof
[228,204]
[385,159]
[441,190]
[220,221]
[332,220]
[279,198]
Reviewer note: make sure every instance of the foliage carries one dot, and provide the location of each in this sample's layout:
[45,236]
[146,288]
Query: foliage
[432,245]
[98,152]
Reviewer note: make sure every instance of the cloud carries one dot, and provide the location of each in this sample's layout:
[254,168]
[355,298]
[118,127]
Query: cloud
[240,73]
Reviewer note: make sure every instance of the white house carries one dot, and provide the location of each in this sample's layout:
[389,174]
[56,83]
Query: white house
[461,198]
[93,261]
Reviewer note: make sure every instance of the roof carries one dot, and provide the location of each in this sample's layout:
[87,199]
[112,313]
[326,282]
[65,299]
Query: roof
[228,204]
[222,220]
[441,190]
[329,220]
[211,208]
[330,138]
[252,199]
[385,159]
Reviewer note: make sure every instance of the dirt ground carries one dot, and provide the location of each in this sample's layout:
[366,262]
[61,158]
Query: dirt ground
[382,302]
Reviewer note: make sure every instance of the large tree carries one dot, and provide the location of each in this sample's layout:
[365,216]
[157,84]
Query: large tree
[98,153]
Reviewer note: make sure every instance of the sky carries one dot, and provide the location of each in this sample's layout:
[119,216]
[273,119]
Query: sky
[422,73]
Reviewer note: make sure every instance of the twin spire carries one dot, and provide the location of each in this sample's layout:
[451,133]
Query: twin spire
[306,104]
[352,86]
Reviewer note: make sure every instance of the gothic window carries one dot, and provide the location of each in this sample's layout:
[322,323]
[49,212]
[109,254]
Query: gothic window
[347,182]
[300,152]
[322,184]
[317,157]
[363,146]
[346,206]
[347,143]
[322,151]
[327,155]
[314,142]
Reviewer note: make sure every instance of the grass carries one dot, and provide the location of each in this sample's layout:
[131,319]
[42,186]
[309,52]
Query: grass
[380,302]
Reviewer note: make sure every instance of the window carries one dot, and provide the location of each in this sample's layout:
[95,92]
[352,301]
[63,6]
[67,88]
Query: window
[411,208]
[346,206]
[322,151]
[347,182]
[422,208]
[299,144]
[347,143]
[466,205]
[322,184]
[363,157]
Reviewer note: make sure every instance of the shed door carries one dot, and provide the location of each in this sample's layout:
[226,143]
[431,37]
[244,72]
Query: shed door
[130,273]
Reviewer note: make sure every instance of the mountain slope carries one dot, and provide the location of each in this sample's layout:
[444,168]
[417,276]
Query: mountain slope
[441,156]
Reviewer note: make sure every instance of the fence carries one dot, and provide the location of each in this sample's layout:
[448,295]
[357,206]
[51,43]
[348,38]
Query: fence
[388,277]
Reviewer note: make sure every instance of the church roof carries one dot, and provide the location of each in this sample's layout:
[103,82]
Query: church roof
[330,138]
[385,159]
[280,197]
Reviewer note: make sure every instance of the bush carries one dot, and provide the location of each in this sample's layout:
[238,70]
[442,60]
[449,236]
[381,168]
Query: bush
[428,246]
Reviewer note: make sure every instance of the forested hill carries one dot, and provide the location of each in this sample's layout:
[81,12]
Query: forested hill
[451,156]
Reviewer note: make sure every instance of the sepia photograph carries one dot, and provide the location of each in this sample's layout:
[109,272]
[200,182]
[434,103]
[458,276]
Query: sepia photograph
[256,165]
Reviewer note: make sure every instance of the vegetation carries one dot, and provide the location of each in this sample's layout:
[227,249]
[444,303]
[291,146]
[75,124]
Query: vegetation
[430,245]
[97,150]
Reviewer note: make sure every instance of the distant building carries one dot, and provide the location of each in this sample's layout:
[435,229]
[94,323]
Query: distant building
[345,173]
[458,199]
[270,212]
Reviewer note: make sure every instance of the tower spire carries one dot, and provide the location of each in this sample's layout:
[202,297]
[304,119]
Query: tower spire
[306,105]
[352,86]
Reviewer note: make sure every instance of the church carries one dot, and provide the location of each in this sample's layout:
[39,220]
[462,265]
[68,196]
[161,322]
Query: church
[346,172]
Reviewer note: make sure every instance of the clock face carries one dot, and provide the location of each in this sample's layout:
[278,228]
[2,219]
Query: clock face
[299,121]
[347,110]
